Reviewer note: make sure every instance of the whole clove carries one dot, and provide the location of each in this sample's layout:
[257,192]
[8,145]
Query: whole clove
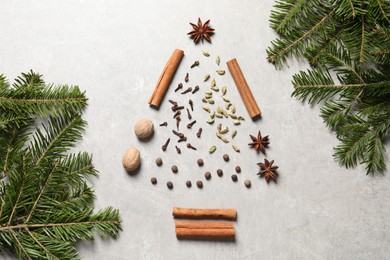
[196,63]
[164,124]
[180,135]
[177,108]
[190,146]
[191,104]
[189,114]
[182,139]
[178,113]
[178,149]
[172,102]
[189,126]
[186,91]
[187,78]
[165,146]
[199,133]
[178,119]
[180,86]
[195,89]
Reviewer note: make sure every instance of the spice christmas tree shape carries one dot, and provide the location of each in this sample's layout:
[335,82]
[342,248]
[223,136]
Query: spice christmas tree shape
[45,202]
[268,170]
[201,31]
[259,142]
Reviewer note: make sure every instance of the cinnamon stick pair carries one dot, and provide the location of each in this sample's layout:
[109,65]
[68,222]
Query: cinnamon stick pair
[202,229]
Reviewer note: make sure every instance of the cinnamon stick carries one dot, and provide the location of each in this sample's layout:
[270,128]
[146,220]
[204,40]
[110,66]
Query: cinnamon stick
[226,213]
[165,78]
[243,88]
[205,233]
[204,225]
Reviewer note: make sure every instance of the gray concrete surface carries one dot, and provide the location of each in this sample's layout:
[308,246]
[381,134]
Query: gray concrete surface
[115,50]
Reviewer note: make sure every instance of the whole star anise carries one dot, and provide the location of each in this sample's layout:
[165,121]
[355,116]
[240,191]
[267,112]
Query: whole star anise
[259,142]
[268,171]
[201,32]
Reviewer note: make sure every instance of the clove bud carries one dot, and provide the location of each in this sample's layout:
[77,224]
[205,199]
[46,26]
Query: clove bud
[176,108]
[189,126]
[195,89]
[199,133]
[188,114]
[182,139]
[191,104]
[164,124]
[190,146]
[180,86]
[196,63]
[178,119]
[178,149]
[186,91]
[186,78]
[178,113]
[172,102]
[165,146]
[180,135]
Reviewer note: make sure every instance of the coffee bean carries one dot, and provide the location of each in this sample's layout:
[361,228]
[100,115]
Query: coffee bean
[226,157]
[153,180]
[170,185]
[174,169]
[247,183]
[199,184]
[219,172]
[238,169]
[200,162]
[234,177]
[159,161]
[207,175]
[188,184]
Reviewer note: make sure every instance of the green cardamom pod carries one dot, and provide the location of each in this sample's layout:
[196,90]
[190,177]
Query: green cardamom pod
[225,99]
[210,121]
[236,148]
[206,108]
[236,122]
[221,72]
[212,149]
[206,78]
[206,53]
[213,84]
[234,133]
[232,116]
[223,90]
[217,60]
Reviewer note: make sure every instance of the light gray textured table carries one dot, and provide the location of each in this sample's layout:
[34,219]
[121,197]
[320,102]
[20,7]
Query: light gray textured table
[115,50]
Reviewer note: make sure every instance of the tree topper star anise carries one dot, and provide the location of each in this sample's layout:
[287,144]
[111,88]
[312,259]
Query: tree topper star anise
[259,142]
[268,171]
[201,32]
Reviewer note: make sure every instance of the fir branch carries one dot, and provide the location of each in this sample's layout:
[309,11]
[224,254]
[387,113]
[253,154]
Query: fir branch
[352,39]
[45,202]
[280,48]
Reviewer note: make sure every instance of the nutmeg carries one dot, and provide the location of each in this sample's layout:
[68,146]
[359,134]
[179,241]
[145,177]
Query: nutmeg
[144,128]
[131,159]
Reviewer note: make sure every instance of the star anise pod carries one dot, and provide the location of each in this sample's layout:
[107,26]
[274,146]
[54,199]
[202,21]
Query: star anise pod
[259,142]
[200,31]
[268,171]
